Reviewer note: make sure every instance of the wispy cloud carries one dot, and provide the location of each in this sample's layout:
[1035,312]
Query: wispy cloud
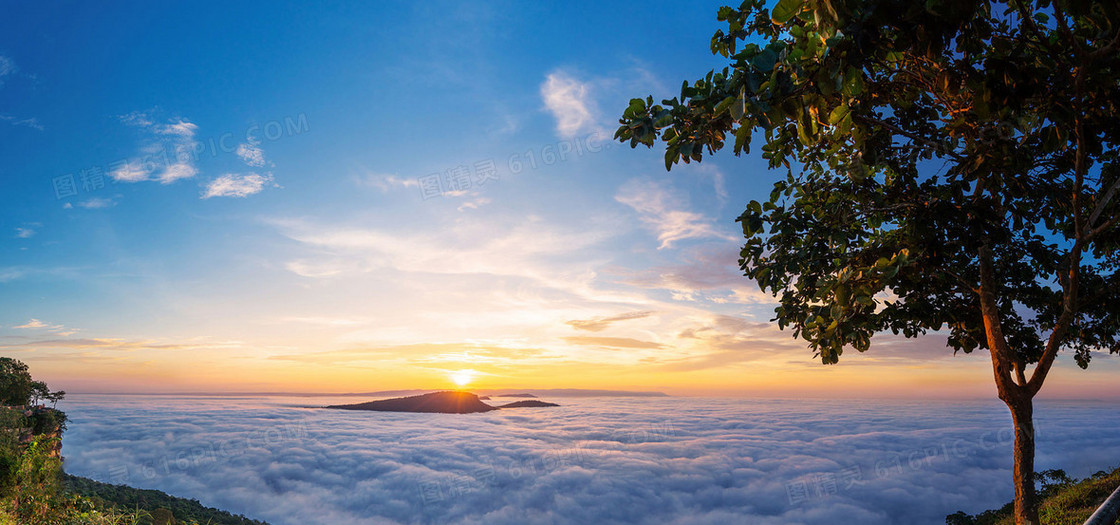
[12,273]
[327,321]
[105,343]
[167,150]
[665,213]
[97,203]
[598,324]
[384,181]
[27,231]
[7,67]
[708,272]
[35,324]
[236,185]
[177,171]
[570,103]
[612,342]
[32,123]
[474,204]
[251,154]
[182,128]
[242,184]
[479,248]
[131,171]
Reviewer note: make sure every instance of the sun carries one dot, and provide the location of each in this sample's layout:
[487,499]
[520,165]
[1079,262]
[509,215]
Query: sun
[462,378]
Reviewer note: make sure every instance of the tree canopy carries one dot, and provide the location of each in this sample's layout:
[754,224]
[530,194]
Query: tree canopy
[919,141]
[18,388]
[949,165]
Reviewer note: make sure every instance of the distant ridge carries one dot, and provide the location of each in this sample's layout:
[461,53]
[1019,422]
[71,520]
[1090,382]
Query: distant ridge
[553,392]
[575,392]
[447,402]
[528,403]
[435,402]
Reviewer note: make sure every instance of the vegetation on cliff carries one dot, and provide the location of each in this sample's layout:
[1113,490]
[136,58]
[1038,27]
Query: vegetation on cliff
[35,491]
[1063,500]
[160,507]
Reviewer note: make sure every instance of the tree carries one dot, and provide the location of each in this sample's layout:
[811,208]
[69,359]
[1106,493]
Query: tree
[949,165]
[16,385]
[18,388]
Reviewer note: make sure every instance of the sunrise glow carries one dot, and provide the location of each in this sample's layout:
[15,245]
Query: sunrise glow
[462,378]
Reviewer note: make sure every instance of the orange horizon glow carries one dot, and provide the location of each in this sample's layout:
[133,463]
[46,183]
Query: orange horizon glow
[780,375]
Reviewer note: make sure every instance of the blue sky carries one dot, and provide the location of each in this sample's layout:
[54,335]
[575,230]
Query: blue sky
[252,205]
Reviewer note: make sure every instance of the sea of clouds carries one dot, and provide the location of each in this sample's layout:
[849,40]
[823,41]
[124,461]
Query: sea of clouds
[592,460]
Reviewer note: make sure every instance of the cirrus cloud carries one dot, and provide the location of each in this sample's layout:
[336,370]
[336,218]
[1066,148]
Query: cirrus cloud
[166,150]
[236,185]
[569,101]
[665,213]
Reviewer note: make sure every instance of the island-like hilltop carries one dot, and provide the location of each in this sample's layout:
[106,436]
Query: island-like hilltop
[438,402]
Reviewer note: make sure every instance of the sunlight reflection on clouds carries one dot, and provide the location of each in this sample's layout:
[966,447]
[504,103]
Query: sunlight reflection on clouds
[592,460]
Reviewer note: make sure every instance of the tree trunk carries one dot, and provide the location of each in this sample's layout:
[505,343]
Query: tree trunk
[1026,505]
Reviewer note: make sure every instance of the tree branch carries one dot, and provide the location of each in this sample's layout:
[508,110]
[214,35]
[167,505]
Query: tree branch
[1103,202]
[937,146]
[1102,228]
[997,342]
[1069,308]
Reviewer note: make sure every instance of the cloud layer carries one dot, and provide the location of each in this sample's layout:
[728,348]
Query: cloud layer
[595,460]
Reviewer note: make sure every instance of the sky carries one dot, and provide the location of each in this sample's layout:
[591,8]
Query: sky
[349,197]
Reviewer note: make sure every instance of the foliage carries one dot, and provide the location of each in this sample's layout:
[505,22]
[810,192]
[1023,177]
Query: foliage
[18,388]
[1063,501]
[929,133]
[153,501]
[15,382]
[950,165]
[35,491]
[47,421]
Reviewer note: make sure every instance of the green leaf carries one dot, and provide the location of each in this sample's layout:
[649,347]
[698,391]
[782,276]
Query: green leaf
[738,108]
[840,113]
[765,60]
[637,106]
[853,83]
[724,105]
[785,10]
[742,138]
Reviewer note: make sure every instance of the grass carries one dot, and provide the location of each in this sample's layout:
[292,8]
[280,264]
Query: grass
[1074,504]
[1064,501]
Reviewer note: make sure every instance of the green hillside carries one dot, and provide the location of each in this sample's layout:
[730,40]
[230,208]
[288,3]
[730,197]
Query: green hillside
[35,491]
[1065,501]
[152,502]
